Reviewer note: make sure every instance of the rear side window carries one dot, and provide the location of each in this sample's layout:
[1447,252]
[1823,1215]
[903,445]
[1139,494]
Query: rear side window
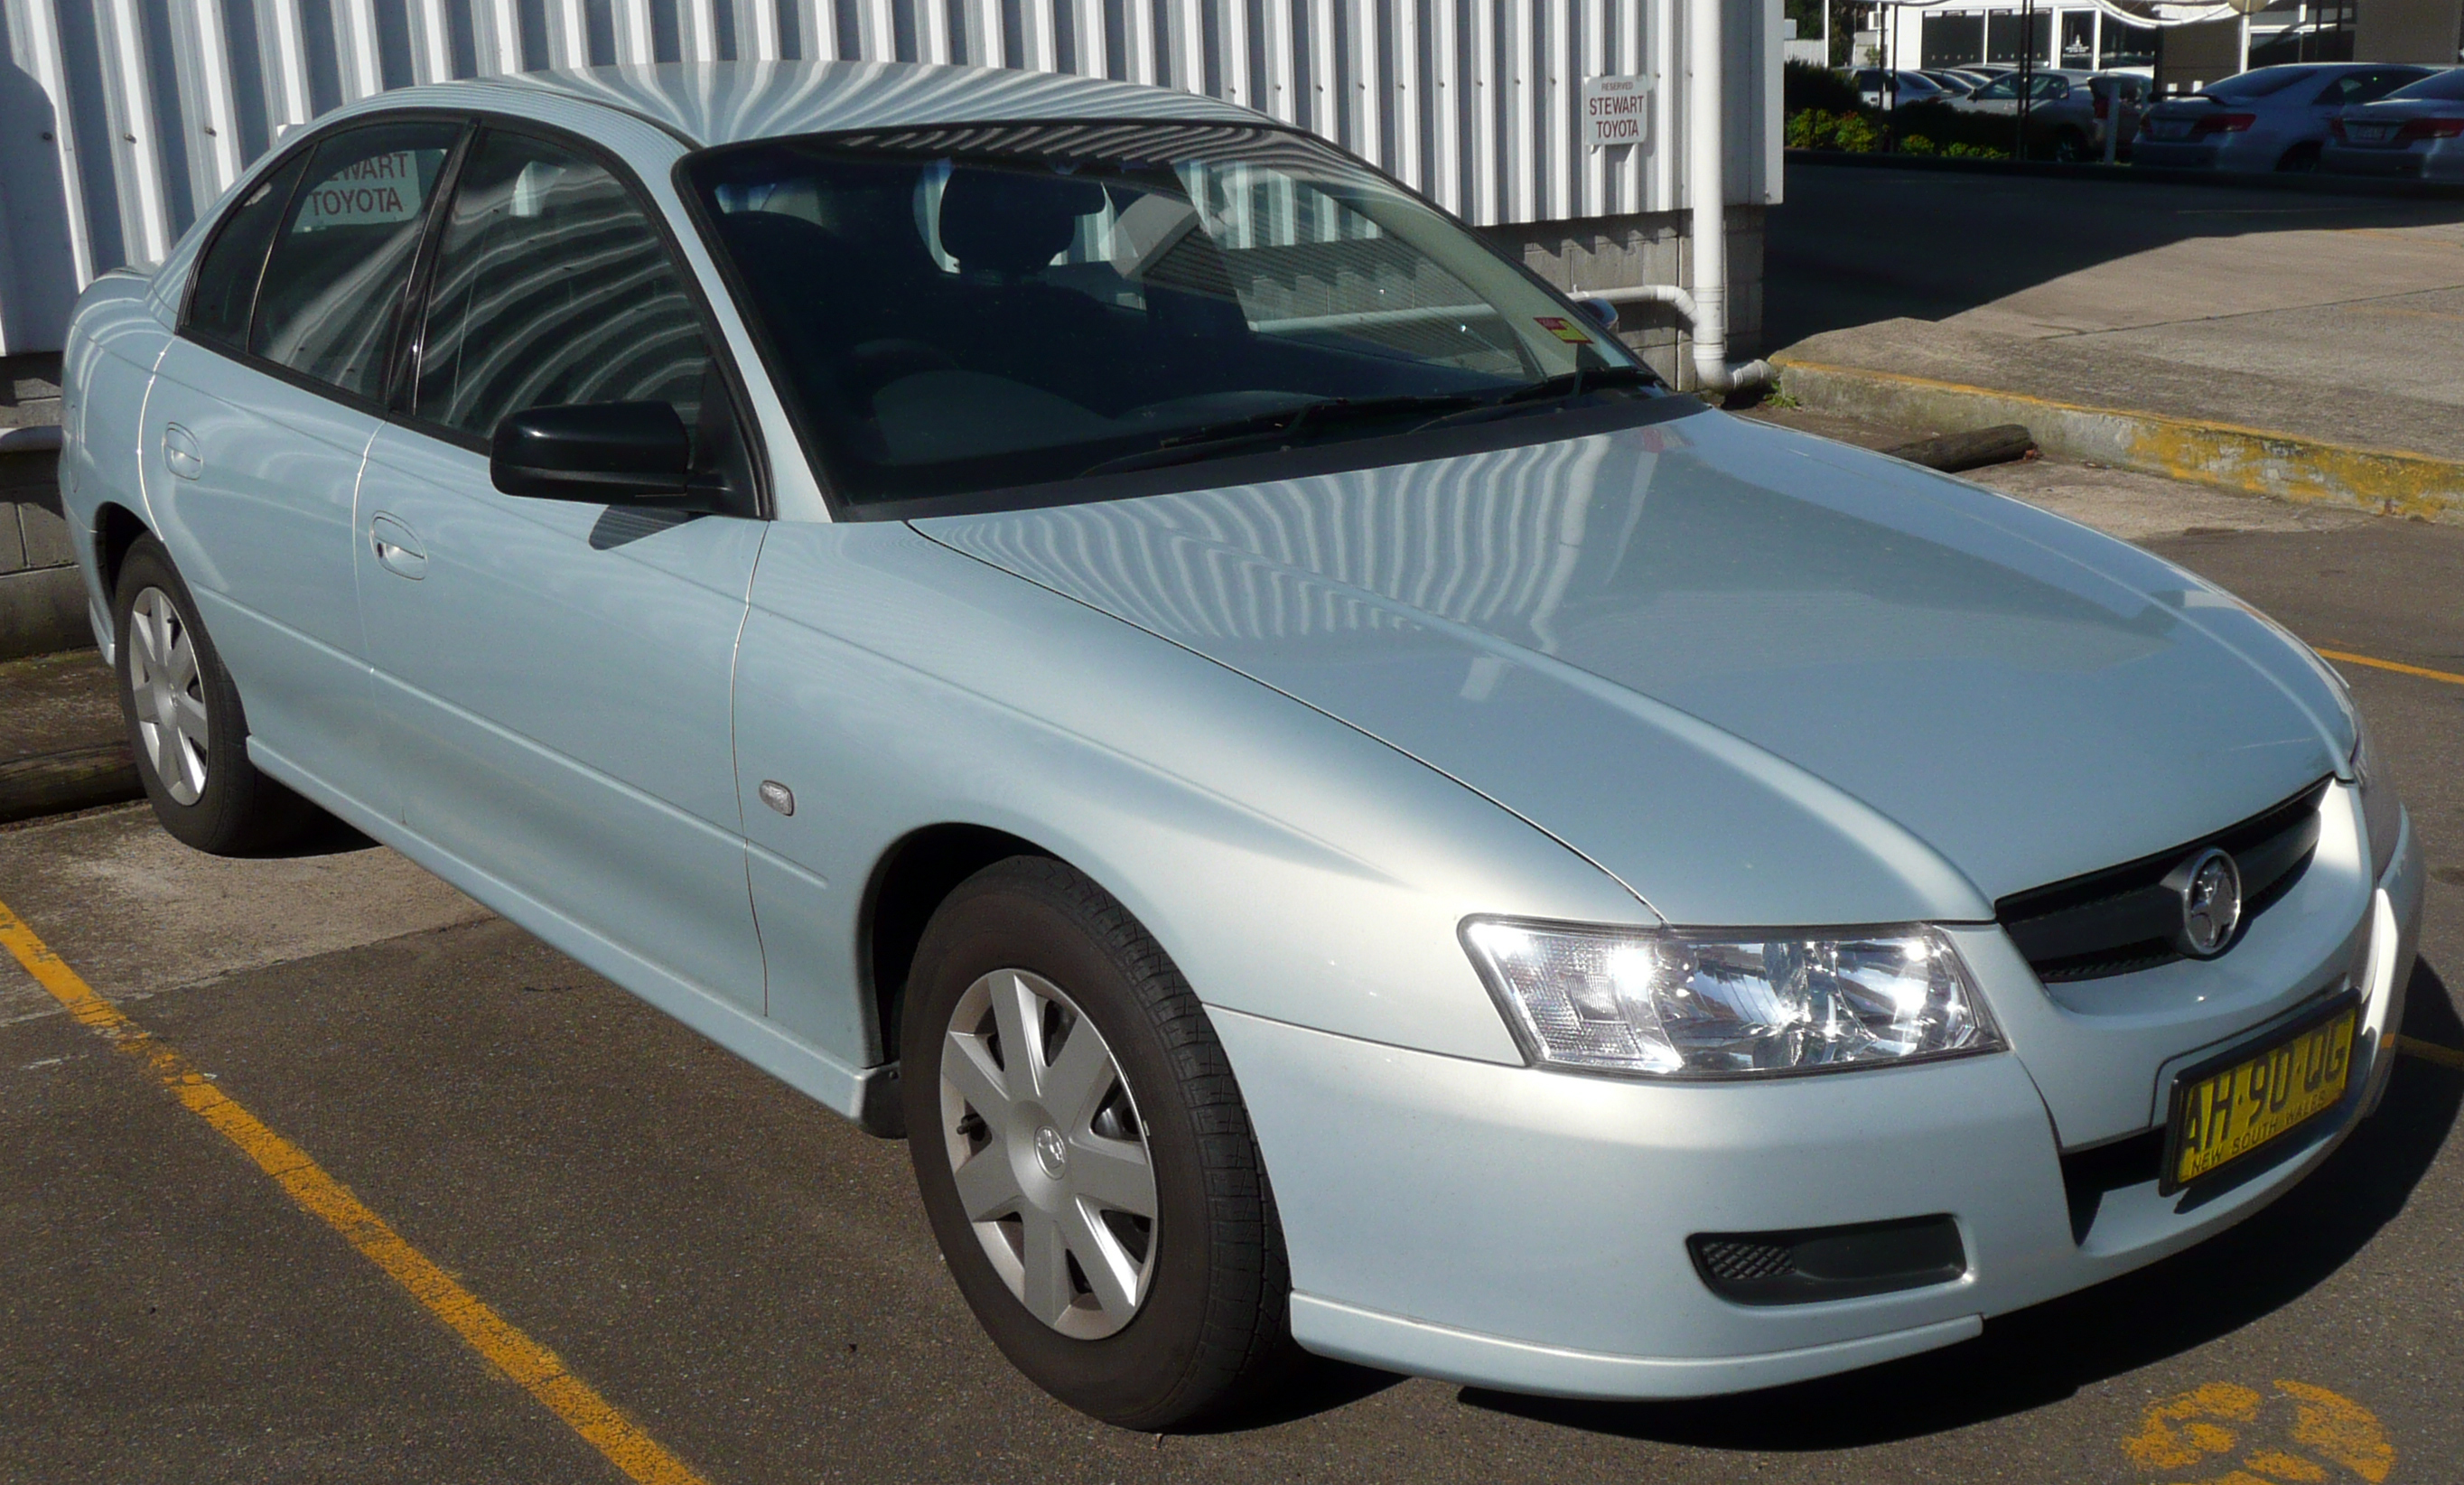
[224,291]
[2261,82]
[336,277]
[2366,87]
[2445,86]
[551,287]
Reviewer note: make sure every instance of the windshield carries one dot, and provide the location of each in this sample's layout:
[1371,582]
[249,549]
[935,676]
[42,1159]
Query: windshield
[2259,83]
[2446,86]
[958,310]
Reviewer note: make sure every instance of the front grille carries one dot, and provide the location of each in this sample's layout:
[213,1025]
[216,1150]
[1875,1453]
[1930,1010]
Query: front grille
[2123,919]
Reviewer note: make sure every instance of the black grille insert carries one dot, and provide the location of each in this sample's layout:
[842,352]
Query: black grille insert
[2123,919]
[1807,1264]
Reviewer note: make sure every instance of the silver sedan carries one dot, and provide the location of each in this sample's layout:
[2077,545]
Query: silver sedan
[2416,132]
[1090,630]
[2264,119]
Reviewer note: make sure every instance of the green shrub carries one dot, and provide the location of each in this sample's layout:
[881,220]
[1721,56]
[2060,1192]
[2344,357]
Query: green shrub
[1945,132]
[1857,135]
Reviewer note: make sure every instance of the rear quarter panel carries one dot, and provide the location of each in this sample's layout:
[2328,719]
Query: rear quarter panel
[115,338]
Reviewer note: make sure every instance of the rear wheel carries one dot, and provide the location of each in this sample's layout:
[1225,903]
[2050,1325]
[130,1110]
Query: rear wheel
[2300,159]
[1084,1154]
[185,722]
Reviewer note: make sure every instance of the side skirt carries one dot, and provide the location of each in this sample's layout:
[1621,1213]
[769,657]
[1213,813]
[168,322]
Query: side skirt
[867,1096]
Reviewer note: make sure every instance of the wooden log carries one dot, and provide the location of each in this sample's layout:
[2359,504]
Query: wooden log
[56,782]
[1978,446]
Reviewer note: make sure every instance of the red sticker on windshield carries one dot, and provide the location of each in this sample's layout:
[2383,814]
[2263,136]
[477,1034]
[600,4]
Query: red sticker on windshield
[1563,329]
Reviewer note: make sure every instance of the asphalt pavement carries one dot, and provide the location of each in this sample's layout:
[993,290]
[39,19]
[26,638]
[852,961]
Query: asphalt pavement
[749,1281]
[2326,318]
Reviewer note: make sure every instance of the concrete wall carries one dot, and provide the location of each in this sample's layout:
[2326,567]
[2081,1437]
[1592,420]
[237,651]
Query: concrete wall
[42,604]
[1653,247]
[2429,31]
[2200,53]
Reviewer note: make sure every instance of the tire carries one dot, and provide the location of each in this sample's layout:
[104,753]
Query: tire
[2300,159]
[1144,1324]
[2071,147]
[185,725]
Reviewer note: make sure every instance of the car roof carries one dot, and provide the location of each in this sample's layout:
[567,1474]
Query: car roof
[710,103]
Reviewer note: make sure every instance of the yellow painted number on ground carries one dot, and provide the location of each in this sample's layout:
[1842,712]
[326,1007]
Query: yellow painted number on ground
[2224,1433]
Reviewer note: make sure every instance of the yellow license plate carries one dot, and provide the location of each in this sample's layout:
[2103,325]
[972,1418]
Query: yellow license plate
[2230,1108]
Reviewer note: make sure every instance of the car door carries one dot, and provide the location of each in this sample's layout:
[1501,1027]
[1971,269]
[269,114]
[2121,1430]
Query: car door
[260,414]
[553,677]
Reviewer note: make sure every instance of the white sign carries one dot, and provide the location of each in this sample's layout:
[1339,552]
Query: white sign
[1615,111]
[379,189]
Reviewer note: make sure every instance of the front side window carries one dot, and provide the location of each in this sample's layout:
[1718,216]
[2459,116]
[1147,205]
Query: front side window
[335,280]
[223,294]
[957,311]
[551,287]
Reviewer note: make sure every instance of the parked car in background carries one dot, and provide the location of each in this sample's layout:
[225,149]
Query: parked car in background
[2068,111]
[2267,119]
[1956,84]
[2416,131]
[1885,87]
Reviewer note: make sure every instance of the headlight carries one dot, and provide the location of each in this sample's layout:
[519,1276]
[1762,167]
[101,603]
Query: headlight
[2381,812]
[1669,1004]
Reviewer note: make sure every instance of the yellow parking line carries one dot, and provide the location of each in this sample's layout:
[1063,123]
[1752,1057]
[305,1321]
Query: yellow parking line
[533,1368]
[2430,1052]
[2397,666]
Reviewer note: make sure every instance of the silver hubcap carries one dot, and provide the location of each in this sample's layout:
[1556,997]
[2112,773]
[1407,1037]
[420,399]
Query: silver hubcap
[169,694]
[1048,1154]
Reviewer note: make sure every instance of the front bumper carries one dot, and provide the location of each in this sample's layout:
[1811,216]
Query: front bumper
[1527,1230]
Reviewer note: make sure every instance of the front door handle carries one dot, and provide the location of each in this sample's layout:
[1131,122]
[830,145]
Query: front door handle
[397,547]
[180,451]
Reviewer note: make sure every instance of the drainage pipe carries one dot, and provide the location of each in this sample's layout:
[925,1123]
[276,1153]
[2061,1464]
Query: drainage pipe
[1707,161]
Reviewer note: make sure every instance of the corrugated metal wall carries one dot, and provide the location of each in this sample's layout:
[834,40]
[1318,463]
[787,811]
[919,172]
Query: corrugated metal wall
[121,119]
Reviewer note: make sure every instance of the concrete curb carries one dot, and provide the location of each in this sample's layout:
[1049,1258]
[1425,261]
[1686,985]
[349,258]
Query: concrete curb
[2262,461]
[58,783]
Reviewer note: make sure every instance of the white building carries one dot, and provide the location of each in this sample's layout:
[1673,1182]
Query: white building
[121,120]
[2182,45]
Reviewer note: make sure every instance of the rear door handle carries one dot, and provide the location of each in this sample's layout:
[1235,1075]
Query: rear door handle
[397,547]
[180,451]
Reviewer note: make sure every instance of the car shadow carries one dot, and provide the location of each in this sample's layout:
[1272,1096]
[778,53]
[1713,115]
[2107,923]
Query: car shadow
[2047,1352]
[1312,1385]
[1850,245]
[326,836]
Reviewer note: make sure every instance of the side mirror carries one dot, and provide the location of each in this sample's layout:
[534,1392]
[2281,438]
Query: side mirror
[597,453]
[1600,310]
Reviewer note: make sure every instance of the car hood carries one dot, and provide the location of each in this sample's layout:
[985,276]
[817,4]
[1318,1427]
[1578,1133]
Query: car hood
[1761,677]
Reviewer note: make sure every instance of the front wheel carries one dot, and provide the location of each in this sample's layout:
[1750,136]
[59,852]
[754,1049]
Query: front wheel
[1084,1155]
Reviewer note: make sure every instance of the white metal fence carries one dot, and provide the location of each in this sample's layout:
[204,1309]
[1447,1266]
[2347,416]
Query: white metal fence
[119,119]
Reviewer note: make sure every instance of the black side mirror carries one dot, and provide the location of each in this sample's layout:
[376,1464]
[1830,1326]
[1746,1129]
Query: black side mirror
[597,453]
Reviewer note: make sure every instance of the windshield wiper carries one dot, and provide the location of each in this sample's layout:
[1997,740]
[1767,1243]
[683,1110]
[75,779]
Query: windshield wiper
[1549,393]
[1276,430]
